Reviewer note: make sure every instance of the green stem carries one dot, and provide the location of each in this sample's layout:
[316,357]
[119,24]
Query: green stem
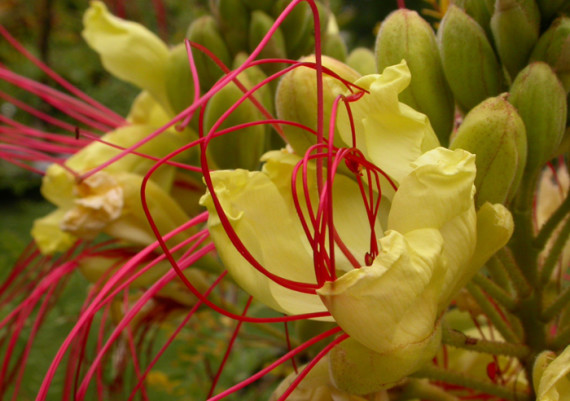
[492,314]
[460,379]
[460,340]
[498,273]
[554,255]
[554,309]
[548,228]
[521,284]
[495,291]
[415,389]
[526,255]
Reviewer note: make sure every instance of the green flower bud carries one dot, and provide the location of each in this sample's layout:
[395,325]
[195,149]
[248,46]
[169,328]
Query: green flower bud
[263,5]
[297,27]
[494,132]
[549,8]
[469,61]
[204,31]
[362,60]
[260,24]
[406,35]
[541,102]
[515,25]
[480,11]
[241,149]
[334,46]
[232,17]
[296,100]
[178,77]
[553,47]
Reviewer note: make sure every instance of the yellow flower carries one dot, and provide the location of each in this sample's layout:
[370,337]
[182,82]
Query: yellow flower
[109,200]
[551,376]
[387,292]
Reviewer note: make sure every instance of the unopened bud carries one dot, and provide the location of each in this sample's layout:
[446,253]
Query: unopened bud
[480,11]
[540,100]
[179,82]
[494,132]
[553,47]
[205,32]
[469,61]
[240,149]
[232,17]
[549,8]
[296,100]
[296,27]
[362,60]
[406,35]
[260,24]
[515,25]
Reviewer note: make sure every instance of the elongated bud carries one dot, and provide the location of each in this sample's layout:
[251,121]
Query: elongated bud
[480,11]
[541,102]
[263,5]
[362,60]
[296,100]
[232,17]
[178,77]
[296,28]
[260,24]
[515,25]
[549,8]
[494,132]
[241,149]
[469,61]
[205,32]
[553,47]
[406,35]
[334,46]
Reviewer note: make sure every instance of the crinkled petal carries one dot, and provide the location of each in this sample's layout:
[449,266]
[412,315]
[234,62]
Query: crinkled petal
[390,133]
[128,50]
[393,302]
[439,188]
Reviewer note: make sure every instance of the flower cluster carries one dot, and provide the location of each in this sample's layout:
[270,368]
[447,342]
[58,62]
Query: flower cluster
[380,204]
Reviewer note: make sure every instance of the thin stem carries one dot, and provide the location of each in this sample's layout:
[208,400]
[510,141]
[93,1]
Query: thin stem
[495,291]
[458,339]
[434,373]
[521,284]
[491,312]
[554,255]
[548,228]
[554,309]
[415,389]
[498,273]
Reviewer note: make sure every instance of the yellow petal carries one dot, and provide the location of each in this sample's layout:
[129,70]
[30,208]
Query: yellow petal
[128,50]
[49,236]
[392,303]
[390,133]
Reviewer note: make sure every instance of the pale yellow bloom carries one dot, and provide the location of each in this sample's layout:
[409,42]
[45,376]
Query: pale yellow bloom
[433,239]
